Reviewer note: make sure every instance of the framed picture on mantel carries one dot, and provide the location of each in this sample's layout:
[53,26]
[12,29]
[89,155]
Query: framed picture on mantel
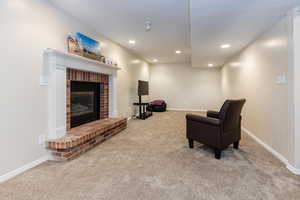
[85,46]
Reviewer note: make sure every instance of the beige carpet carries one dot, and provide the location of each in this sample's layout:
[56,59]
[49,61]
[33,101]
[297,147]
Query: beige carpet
[151,160]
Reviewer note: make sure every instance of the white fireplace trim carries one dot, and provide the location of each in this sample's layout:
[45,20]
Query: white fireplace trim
[54,77]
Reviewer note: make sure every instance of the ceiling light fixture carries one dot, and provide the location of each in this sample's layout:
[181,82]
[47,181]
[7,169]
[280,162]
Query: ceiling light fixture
[154,60]
[178,52]
[148,25]
[131,41]
[225,46]
[210,65]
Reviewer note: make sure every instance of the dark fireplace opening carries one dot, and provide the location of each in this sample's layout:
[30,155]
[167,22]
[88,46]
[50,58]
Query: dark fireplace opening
[85,102]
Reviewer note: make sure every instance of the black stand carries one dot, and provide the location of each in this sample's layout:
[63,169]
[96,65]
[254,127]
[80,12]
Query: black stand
[143,114]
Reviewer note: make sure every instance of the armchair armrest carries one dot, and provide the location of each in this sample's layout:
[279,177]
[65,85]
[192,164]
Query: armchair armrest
[204,120]
[213,114]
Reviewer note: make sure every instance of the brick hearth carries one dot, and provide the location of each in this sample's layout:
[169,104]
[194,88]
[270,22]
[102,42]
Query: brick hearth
[81,139]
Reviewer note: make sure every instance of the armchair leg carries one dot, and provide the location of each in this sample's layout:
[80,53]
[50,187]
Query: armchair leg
[191,143]
[236,145]
[218,153]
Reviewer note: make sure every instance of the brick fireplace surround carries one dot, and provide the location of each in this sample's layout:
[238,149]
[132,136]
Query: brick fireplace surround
[79,75]
[65,143]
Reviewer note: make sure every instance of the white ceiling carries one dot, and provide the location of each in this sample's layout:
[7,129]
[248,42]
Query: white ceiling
[197,27]
[237,22]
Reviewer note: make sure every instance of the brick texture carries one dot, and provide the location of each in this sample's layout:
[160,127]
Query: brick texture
[81,139]
[79,75]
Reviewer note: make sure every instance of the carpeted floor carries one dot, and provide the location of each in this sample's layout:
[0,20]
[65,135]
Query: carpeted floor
[151,160]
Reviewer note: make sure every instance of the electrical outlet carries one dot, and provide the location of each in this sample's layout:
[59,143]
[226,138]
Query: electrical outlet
[42,139]
[281,79]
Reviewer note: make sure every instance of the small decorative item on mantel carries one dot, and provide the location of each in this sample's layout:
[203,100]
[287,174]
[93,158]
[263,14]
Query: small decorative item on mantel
[108,61]
[102,59]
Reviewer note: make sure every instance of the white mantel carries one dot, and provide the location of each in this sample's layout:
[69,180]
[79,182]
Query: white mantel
[54,77]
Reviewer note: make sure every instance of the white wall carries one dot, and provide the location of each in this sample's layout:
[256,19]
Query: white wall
[26,28]
[294,91]
[184,87]
[252,75]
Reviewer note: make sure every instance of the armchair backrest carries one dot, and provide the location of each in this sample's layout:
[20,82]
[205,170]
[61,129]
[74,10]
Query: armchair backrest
[230,114]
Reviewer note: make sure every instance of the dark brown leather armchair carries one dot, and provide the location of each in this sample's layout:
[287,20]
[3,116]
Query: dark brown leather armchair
[219,129]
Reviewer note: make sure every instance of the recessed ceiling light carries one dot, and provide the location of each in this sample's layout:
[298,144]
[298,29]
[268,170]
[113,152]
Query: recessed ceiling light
[131,41]
[225,46]
[210,65]
[154,60]
[178,52]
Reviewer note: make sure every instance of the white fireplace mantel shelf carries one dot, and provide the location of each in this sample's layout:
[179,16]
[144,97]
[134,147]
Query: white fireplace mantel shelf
[83,59]
[54,79]
[64,59]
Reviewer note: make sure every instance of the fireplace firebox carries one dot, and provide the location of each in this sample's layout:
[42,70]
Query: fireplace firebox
[85,102]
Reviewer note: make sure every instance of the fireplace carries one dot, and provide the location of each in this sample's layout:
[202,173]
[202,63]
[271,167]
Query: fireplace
[85,102]
[59,69]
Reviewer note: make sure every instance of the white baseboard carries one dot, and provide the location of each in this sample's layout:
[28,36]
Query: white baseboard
[293,169]
[186,109]
[272,151]
[22,169]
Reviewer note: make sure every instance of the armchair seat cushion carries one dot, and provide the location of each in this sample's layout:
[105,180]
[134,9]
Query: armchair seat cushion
[204,120]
